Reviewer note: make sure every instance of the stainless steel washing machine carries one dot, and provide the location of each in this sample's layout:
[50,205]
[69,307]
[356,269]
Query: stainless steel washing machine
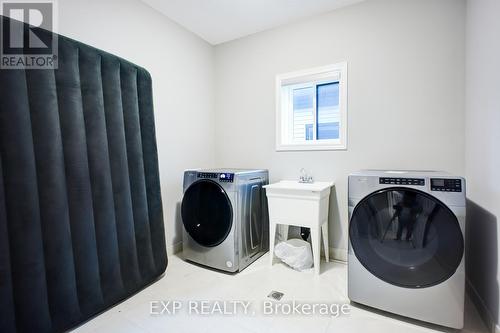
[406,244]
[225,217]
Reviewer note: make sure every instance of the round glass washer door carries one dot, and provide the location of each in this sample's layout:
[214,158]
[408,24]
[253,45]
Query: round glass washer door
[406,237]
[206,213]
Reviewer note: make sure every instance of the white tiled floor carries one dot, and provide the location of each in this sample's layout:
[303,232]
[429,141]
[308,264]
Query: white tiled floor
[184,282]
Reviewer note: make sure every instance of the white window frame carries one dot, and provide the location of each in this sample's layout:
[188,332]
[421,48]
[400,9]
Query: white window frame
[284,137]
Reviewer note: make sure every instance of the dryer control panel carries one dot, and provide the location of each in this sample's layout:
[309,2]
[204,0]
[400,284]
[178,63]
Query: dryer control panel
[402,181]
[446,185]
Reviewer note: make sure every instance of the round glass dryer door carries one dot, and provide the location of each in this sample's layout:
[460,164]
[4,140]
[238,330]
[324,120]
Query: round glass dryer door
[406,237]
[206,213]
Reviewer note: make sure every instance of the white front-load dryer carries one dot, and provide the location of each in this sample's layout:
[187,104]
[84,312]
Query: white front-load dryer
[406,244]
[224,217]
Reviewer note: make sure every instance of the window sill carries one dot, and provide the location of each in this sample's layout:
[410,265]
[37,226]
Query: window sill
[310,147]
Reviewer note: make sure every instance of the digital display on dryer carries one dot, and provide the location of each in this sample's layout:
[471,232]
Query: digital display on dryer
[446,185]
[226,177]
[438,182]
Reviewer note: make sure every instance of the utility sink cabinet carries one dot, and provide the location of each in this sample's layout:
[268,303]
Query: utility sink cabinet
[302,205]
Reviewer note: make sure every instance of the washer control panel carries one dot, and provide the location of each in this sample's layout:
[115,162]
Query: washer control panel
[402,181]
[226,177]
[209,175]
[446,185]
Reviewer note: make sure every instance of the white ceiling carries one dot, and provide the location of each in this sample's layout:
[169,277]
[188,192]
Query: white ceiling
[219,21]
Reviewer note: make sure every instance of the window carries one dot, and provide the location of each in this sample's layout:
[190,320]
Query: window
[311,109]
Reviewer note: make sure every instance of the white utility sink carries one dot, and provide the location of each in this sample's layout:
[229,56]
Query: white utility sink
[293,186]
[300,204]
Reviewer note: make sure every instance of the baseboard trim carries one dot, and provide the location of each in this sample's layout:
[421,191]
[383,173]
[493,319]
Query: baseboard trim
[338,254]
[481,307]
[174,249]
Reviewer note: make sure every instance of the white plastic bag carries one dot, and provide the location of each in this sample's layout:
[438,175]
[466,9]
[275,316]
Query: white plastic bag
[296,253]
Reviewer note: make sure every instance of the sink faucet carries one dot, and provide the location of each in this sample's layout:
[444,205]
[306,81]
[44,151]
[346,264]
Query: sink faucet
[304,177]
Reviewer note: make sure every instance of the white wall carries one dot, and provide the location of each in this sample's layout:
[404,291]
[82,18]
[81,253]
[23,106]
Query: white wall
[482,154]
[181,65]
[406,93]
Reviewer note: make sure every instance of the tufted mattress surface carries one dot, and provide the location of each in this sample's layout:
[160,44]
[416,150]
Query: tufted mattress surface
[81,224]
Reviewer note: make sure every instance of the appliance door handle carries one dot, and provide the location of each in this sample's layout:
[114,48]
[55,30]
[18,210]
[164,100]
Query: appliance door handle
[254,246]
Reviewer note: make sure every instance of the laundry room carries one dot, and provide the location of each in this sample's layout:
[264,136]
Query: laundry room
[249,166]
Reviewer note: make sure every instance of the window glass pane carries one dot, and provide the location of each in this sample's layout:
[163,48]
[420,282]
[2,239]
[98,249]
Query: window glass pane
[309,132]
[328,111]
[303,113]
